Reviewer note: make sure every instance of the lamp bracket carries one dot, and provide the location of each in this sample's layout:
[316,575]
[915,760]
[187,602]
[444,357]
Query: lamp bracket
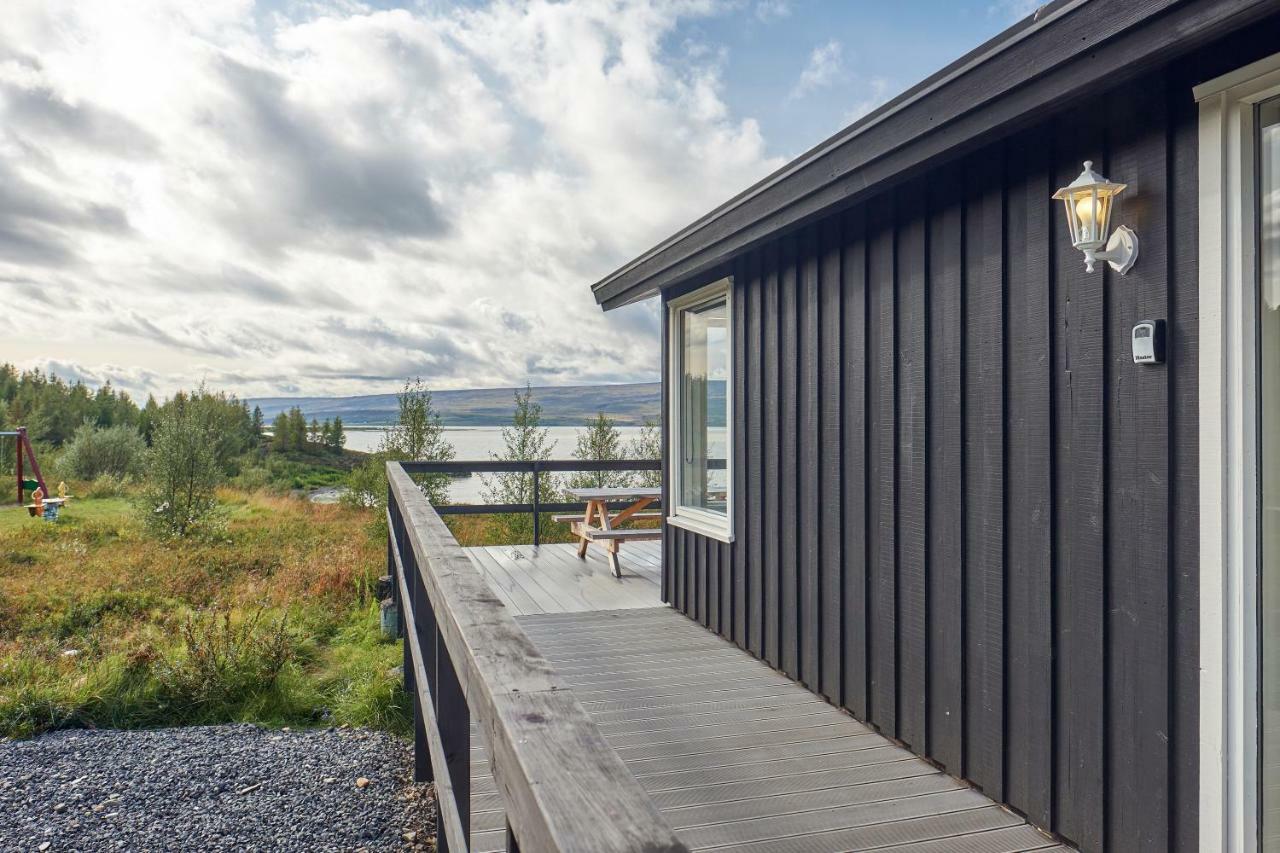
[1121,251]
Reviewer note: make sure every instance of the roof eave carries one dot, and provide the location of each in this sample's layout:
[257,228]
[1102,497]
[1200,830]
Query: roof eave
[1062,51]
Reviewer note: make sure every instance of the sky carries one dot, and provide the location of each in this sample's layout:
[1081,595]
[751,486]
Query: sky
[324,197]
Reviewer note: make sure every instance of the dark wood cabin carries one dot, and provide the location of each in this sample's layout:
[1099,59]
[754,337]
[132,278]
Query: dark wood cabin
[913,465]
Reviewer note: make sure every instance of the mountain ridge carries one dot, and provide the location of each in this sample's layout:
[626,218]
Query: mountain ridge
[562,405]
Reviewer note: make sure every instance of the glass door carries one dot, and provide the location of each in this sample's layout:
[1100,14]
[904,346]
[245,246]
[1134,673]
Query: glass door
[1268,195]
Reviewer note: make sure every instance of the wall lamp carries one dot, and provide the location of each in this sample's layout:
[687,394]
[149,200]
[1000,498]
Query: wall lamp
[1088,202]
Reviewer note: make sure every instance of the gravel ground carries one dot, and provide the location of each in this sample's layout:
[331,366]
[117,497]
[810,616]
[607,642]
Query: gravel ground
[211,788]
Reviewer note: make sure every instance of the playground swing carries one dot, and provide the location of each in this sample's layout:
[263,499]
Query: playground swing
[42,503]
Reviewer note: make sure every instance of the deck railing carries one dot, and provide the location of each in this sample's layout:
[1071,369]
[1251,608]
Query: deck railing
[536,469]
[562,786]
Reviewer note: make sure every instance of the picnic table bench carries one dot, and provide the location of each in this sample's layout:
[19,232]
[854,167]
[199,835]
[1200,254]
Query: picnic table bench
[597,501]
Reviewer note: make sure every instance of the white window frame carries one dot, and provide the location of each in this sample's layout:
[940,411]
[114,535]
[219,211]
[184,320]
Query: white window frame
[696,519]
[1229,556]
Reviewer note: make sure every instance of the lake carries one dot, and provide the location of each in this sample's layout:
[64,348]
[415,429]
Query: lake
[476,444]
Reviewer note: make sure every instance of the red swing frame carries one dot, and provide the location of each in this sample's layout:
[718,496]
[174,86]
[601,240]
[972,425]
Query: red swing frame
[24,444]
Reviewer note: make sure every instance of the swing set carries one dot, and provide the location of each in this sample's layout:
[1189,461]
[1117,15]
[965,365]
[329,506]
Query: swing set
[33,483]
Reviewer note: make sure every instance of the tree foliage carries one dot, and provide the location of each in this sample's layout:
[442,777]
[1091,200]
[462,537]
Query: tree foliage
[182,466]
[94,451]
[525,440]
[647,445]
[599,441]
[418,434]
[52,409]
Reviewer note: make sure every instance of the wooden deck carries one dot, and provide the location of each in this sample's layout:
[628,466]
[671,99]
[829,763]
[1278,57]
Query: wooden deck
[551,579]
[736,755]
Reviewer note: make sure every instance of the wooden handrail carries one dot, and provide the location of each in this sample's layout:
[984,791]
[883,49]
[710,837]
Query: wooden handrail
[562,785]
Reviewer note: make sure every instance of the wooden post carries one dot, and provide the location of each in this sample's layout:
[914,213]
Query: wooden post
[454,719]
[25,443]
[17,444]
[424,622]
[537,532]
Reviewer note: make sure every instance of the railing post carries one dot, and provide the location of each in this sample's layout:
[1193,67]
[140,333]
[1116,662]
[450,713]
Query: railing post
[454,719]
[424,625]
[537,528]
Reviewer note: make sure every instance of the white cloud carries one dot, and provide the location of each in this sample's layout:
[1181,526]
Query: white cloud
[772,10]
[874,93]
[334,199]
[1015,10]
[826,63]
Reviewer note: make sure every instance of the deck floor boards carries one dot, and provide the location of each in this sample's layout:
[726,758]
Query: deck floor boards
[736,755]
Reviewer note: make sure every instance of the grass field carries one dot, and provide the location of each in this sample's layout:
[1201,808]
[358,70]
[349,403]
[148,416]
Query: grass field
[272,621]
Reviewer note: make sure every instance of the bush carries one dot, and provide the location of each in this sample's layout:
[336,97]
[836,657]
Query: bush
[107,486]
[182,467]
[95,452]
[253,479]
[226,658]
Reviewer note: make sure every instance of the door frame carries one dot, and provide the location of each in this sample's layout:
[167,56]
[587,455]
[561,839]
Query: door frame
[1229,546]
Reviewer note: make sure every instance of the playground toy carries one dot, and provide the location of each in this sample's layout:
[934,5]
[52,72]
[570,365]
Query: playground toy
[26,484]
[41,505]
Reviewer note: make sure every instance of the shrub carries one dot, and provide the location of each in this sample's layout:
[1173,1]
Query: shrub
[107,486]
[182,467]
[225,658]
[94,452]
[253,479]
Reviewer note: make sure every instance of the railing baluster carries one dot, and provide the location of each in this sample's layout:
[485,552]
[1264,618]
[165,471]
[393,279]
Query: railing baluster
[537,528]
[423,619]
[454,719]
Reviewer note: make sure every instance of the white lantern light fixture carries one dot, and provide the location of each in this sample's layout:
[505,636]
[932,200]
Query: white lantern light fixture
[1088,200]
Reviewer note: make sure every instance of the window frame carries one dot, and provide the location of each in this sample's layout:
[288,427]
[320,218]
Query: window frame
[1230,565]
[719,526]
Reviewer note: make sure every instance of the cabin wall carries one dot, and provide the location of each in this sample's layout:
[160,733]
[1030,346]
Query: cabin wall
[963,513]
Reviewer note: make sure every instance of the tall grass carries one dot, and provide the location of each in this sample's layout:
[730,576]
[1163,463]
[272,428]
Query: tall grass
[102,624]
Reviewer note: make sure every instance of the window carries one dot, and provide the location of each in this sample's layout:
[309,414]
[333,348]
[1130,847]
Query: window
[701,434]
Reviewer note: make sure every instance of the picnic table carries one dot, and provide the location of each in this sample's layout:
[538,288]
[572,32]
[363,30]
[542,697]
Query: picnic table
[607,531]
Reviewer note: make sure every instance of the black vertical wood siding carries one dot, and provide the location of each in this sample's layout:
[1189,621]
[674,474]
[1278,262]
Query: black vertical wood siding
[963,513]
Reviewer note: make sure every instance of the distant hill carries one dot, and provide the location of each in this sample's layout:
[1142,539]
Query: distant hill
[561,406]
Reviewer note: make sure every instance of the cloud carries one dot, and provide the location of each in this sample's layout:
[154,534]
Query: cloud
[771,10]
[874,92]
[44,118]
[327,197]
[826,63]
[1015,10]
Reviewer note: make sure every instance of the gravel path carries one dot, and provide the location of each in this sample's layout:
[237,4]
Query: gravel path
[210,788]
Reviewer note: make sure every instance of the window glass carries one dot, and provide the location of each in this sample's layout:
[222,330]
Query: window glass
[704,380]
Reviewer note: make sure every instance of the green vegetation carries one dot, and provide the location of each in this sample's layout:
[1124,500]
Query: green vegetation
[600,440]
[417,434]
[273,621]
[93,452]
[291,432]
[647,445]
[52,410]
[183,469]
[82,434]
[525,440]
[183,585]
